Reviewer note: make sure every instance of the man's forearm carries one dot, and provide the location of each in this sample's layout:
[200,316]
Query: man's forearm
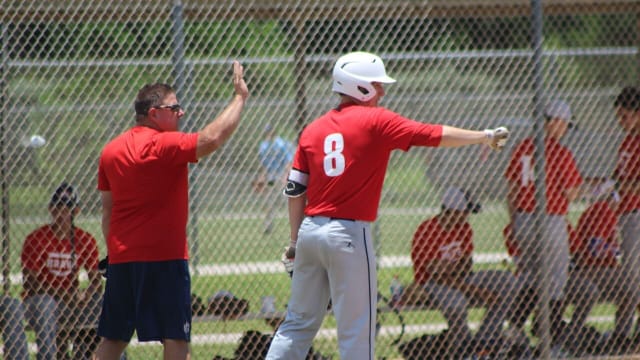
[217,132]
[220,129]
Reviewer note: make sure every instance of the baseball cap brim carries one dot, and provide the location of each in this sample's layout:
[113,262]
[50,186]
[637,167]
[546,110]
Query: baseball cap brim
[385,80]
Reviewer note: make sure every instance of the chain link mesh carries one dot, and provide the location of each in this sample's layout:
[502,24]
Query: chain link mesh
[70,71]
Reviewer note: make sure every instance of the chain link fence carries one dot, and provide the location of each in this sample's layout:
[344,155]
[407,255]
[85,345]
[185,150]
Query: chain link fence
[69,72]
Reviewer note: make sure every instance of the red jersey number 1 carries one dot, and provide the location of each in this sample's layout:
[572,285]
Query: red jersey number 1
[527,177]
[333,159]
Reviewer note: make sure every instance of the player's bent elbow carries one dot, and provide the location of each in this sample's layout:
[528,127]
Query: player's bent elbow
[212,140]
[207,148]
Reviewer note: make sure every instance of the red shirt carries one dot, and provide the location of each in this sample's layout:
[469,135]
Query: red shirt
[596,242]
[346,152]
[50,258]
[628,169]
[433,242]
[561,174]
[147,174]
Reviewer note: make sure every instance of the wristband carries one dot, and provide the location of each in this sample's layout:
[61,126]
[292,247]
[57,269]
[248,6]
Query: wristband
[489,133]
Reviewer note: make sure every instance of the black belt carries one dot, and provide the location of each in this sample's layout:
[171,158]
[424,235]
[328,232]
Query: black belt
[634,211]
[335,218]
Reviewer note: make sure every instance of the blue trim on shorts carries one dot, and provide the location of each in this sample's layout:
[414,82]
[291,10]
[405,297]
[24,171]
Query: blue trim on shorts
[152,298]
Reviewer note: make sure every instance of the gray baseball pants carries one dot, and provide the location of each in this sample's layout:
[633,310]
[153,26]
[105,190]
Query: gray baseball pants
[551,250]
[334,259]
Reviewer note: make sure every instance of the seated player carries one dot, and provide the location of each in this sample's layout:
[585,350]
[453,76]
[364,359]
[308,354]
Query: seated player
[597,268]
[442,264]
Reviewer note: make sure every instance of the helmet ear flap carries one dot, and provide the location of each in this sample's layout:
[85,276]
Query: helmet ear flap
[347,84]
[354,73]
[366,91]
[363,90]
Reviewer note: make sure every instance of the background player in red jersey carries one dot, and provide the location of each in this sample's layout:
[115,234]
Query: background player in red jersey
[334,190]
[563,182]
[597,273]
[442,265]
[627,177]
[52,257]
[143,180]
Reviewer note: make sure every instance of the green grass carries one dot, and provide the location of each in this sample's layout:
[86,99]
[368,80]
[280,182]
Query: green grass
[254,286]
[238,238]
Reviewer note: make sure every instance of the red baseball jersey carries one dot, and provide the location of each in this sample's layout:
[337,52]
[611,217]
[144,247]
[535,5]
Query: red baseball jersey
[433,242]
[147,174]
[595,236]
[50,258]
[345,152]
[561,174]
[628,169]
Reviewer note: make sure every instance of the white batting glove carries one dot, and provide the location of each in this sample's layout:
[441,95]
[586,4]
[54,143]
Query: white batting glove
[497,137]
[287,259]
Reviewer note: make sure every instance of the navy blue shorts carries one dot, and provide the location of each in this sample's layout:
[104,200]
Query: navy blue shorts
[152,298]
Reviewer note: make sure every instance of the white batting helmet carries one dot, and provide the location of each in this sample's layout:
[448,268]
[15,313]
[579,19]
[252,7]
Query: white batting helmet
[354,72]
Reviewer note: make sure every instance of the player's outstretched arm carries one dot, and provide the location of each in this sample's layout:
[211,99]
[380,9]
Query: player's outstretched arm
[455,137]
[220,129]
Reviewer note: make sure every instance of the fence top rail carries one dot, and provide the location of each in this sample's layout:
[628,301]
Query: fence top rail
[427,55]
[294,10]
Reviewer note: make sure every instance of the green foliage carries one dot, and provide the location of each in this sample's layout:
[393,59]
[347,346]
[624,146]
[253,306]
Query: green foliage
[223,39]
[117,40]
[584,32]
[253,38]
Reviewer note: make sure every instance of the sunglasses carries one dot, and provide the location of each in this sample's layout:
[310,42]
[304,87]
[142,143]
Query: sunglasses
[174,108]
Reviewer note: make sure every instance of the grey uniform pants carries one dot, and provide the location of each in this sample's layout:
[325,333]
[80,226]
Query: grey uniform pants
[551,250]
[334,259]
